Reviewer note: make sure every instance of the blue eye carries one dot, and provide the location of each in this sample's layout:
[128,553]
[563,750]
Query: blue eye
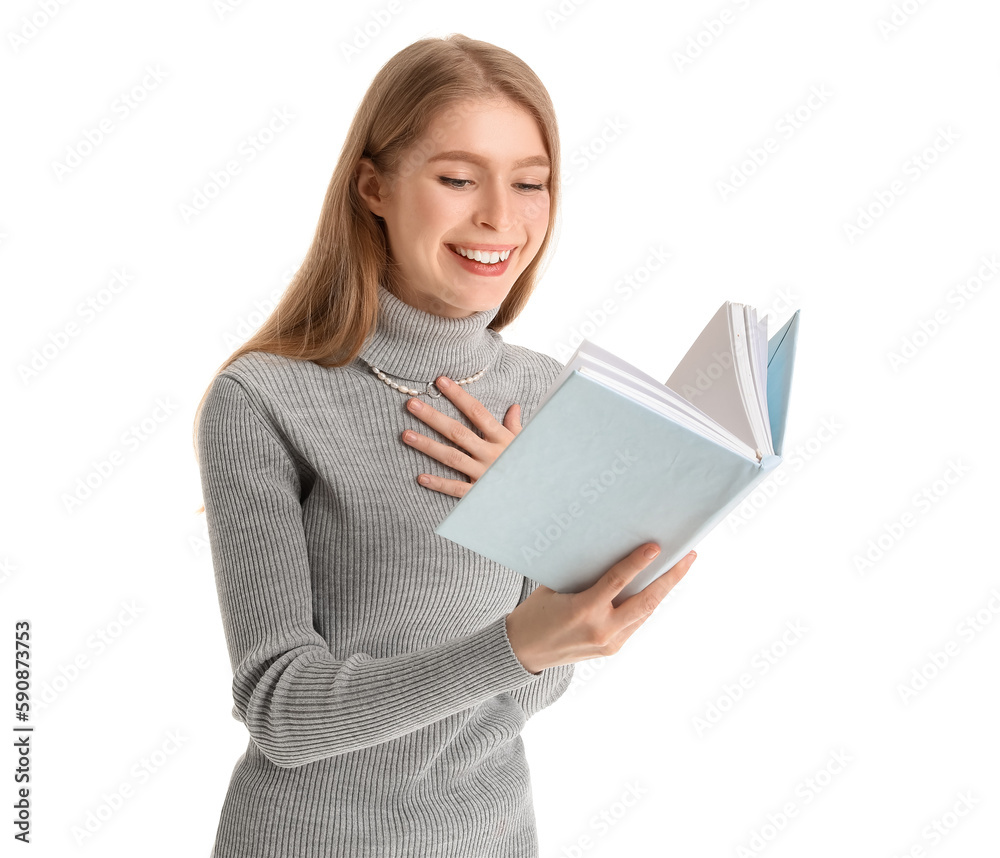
[455,183]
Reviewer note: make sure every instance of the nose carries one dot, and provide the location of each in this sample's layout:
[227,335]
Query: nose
[495,207]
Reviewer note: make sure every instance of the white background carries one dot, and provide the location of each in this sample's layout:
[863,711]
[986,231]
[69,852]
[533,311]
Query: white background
[647,139]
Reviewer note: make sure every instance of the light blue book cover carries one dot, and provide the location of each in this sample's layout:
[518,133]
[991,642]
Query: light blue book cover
[595,473]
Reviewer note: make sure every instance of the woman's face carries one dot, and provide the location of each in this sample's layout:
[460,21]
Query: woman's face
[477,181]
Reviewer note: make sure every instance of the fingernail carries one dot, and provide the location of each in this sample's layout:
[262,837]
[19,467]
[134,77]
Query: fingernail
[415,404]
[443,382]
[651,552]
[692,554]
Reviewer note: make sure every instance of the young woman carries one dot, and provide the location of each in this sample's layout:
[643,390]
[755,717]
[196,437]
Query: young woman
[384,673]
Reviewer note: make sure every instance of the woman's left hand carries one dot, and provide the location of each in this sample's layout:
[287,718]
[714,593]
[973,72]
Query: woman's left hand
[482,452]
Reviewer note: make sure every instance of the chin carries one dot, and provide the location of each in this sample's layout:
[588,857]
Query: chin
[483,297]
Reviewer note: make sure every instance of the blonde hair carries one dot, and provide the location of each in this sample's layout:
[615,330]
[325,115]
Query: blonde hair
[330,307]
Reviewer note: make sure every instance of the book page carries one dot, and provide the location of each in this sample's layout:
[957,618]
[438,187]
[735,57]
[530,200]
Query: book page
[760,377]
[751,374]
[706,377]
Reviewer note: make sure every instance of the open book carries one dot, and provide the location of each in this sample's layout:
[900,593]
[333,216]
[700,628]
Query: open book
[612,458]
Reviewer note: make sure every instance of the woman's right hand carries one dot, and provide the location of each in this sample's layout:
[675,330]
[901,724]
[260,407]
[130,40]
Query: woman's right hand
[550,628]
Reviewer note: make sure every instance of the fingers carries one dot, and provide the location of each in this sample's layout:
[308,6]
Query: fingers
[512,420]
[479,415]
[618,641]
[640,605]
[612,582]
[455,488]
[447,455]
[482,448]
[644,602]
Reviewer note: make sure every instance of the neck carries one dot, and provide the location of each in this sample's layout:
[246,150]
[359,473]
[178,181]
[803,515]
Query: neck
[418,346]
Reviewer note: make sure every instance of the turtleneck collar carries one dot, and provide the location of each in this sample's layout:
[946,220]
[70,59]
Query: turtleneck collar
[418,346]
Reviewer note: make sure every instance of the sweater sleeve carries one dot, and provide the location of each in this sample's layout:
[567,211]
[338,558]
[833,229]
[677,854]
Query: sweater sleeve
[300,703]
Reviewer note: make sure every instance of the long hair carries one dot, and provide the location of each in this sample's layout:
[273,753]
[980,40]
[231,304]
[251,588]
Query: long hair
[331,304]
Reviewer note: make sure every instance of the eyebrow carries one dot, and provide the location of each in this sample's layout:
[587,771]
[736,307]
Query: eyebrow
[472,158]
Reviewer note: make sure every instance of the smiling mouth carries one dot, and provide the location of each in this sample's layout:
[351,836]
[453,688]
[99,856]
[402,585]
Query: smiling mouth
[487,256]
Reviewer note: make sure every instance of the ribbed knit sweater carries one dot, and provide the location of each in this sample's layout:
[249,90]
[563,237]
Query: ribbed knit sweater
[371,664]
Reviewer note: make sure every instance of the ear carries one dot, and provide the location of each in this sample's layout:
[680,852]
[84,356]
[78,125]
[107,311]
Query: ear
[370,187]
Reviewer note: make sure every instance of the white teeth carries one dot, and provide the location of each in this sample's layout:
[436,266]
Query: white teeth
[490,258]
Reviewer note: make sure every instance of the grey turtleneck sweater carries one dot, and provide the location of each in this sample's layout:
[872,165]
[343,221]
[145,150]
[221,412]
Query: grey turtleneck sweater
[370,658]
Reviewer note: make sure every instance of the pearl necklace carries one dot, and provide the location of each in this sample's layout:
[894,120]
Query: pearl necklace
[431,388]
